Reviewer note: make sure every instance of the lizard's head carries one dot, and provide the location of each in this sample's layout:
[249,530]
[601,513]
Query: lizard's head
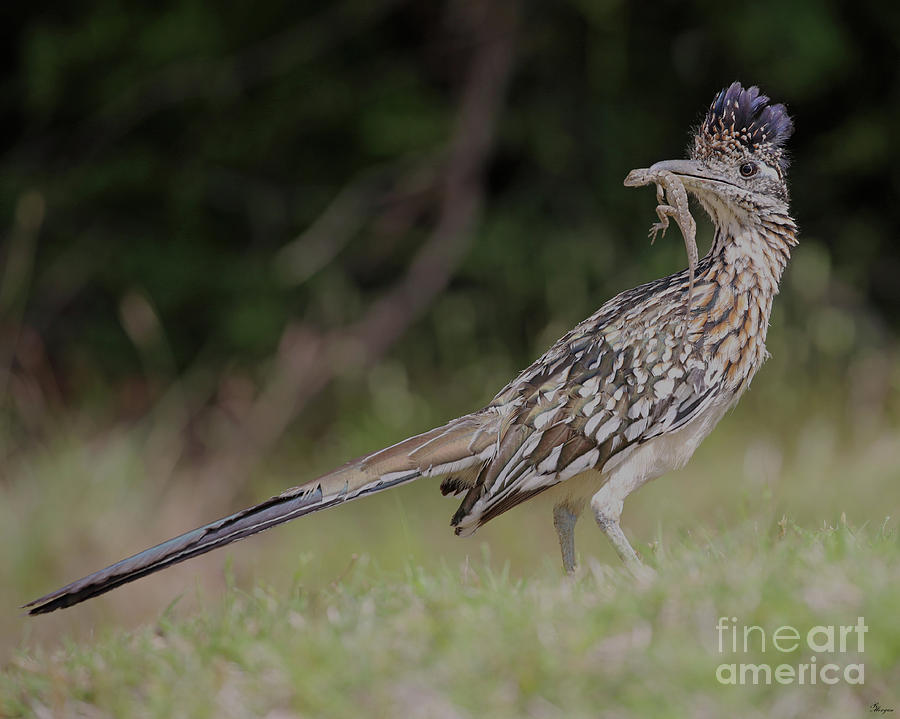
[738,160]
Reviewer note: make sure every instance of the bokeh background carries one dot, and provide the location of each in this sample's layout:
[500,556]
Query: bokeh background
[241,244]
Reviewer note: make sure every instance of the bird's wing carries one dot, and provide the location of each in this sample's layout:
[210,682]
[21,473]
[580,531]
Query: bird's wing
[619,378]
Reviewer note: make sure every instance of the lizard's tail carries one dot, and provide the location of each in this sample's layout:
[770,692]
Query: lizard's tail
[463,443]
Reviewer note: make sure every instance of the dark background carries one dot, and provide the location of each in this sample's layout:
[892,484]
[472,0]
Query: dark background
[264,198]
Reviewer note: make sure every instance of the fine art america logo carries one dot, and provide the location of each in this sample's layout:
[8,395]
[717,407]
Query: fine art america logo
[834,639]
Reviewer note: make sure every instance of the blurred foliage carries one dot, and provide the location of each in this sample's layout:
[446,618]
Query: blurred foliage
[164,155]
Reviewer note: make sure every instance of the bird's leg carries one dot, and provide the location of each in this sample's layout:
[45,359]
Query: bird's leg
[607,508]
[564,519]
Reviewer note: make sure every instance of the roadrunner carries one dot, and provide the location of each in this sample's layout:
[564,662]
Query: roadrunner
[623,398]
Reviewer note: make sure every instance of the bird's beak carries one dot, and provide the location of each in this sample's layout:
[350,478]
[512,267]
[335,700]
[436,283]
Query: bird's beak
[684,168]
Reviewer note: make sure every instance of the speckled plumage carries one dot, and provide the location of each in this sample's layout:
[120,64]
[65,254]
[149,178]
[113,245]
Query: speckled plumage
[624,397]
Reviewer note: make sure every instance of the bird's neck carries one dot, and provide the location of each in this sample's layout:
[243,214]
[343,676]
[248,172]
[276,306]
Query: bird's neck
[755,248]
[743,268]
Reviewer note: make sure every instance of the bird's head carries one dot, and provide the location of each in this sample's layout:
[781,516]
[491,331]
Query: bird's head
[738,161]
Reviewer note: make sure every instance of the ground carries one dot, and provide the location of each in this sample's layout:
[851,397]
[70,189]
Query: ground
[376,609]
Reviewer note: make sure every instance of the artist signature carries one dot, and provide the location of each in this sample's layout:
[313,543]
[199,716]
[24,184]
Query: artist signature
[878,709]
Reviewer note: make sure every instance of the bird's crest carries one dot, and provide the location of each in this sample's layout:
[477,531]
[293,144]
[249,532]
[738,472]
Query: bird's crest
[740,120]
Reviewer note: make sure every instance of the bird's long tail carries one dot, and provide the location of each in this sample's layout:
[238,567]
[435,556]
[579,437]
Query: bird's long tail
[463,443]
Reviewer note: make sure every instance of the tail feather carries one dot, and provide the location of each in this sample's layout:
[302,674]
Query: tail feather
[457,445]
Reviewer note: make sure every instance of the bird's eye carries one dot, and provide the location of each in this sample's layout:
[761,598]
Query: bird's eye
[748,169]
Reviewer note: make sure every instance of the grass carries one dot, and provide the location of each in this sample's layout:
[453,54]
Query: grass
[375,609]
[471,641]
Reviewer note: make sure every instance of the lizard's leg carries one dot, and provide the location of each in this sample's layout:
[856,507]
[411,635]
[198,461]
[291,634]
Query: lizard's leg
[672,202]
[678,201]
[663,212]
[679,209]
